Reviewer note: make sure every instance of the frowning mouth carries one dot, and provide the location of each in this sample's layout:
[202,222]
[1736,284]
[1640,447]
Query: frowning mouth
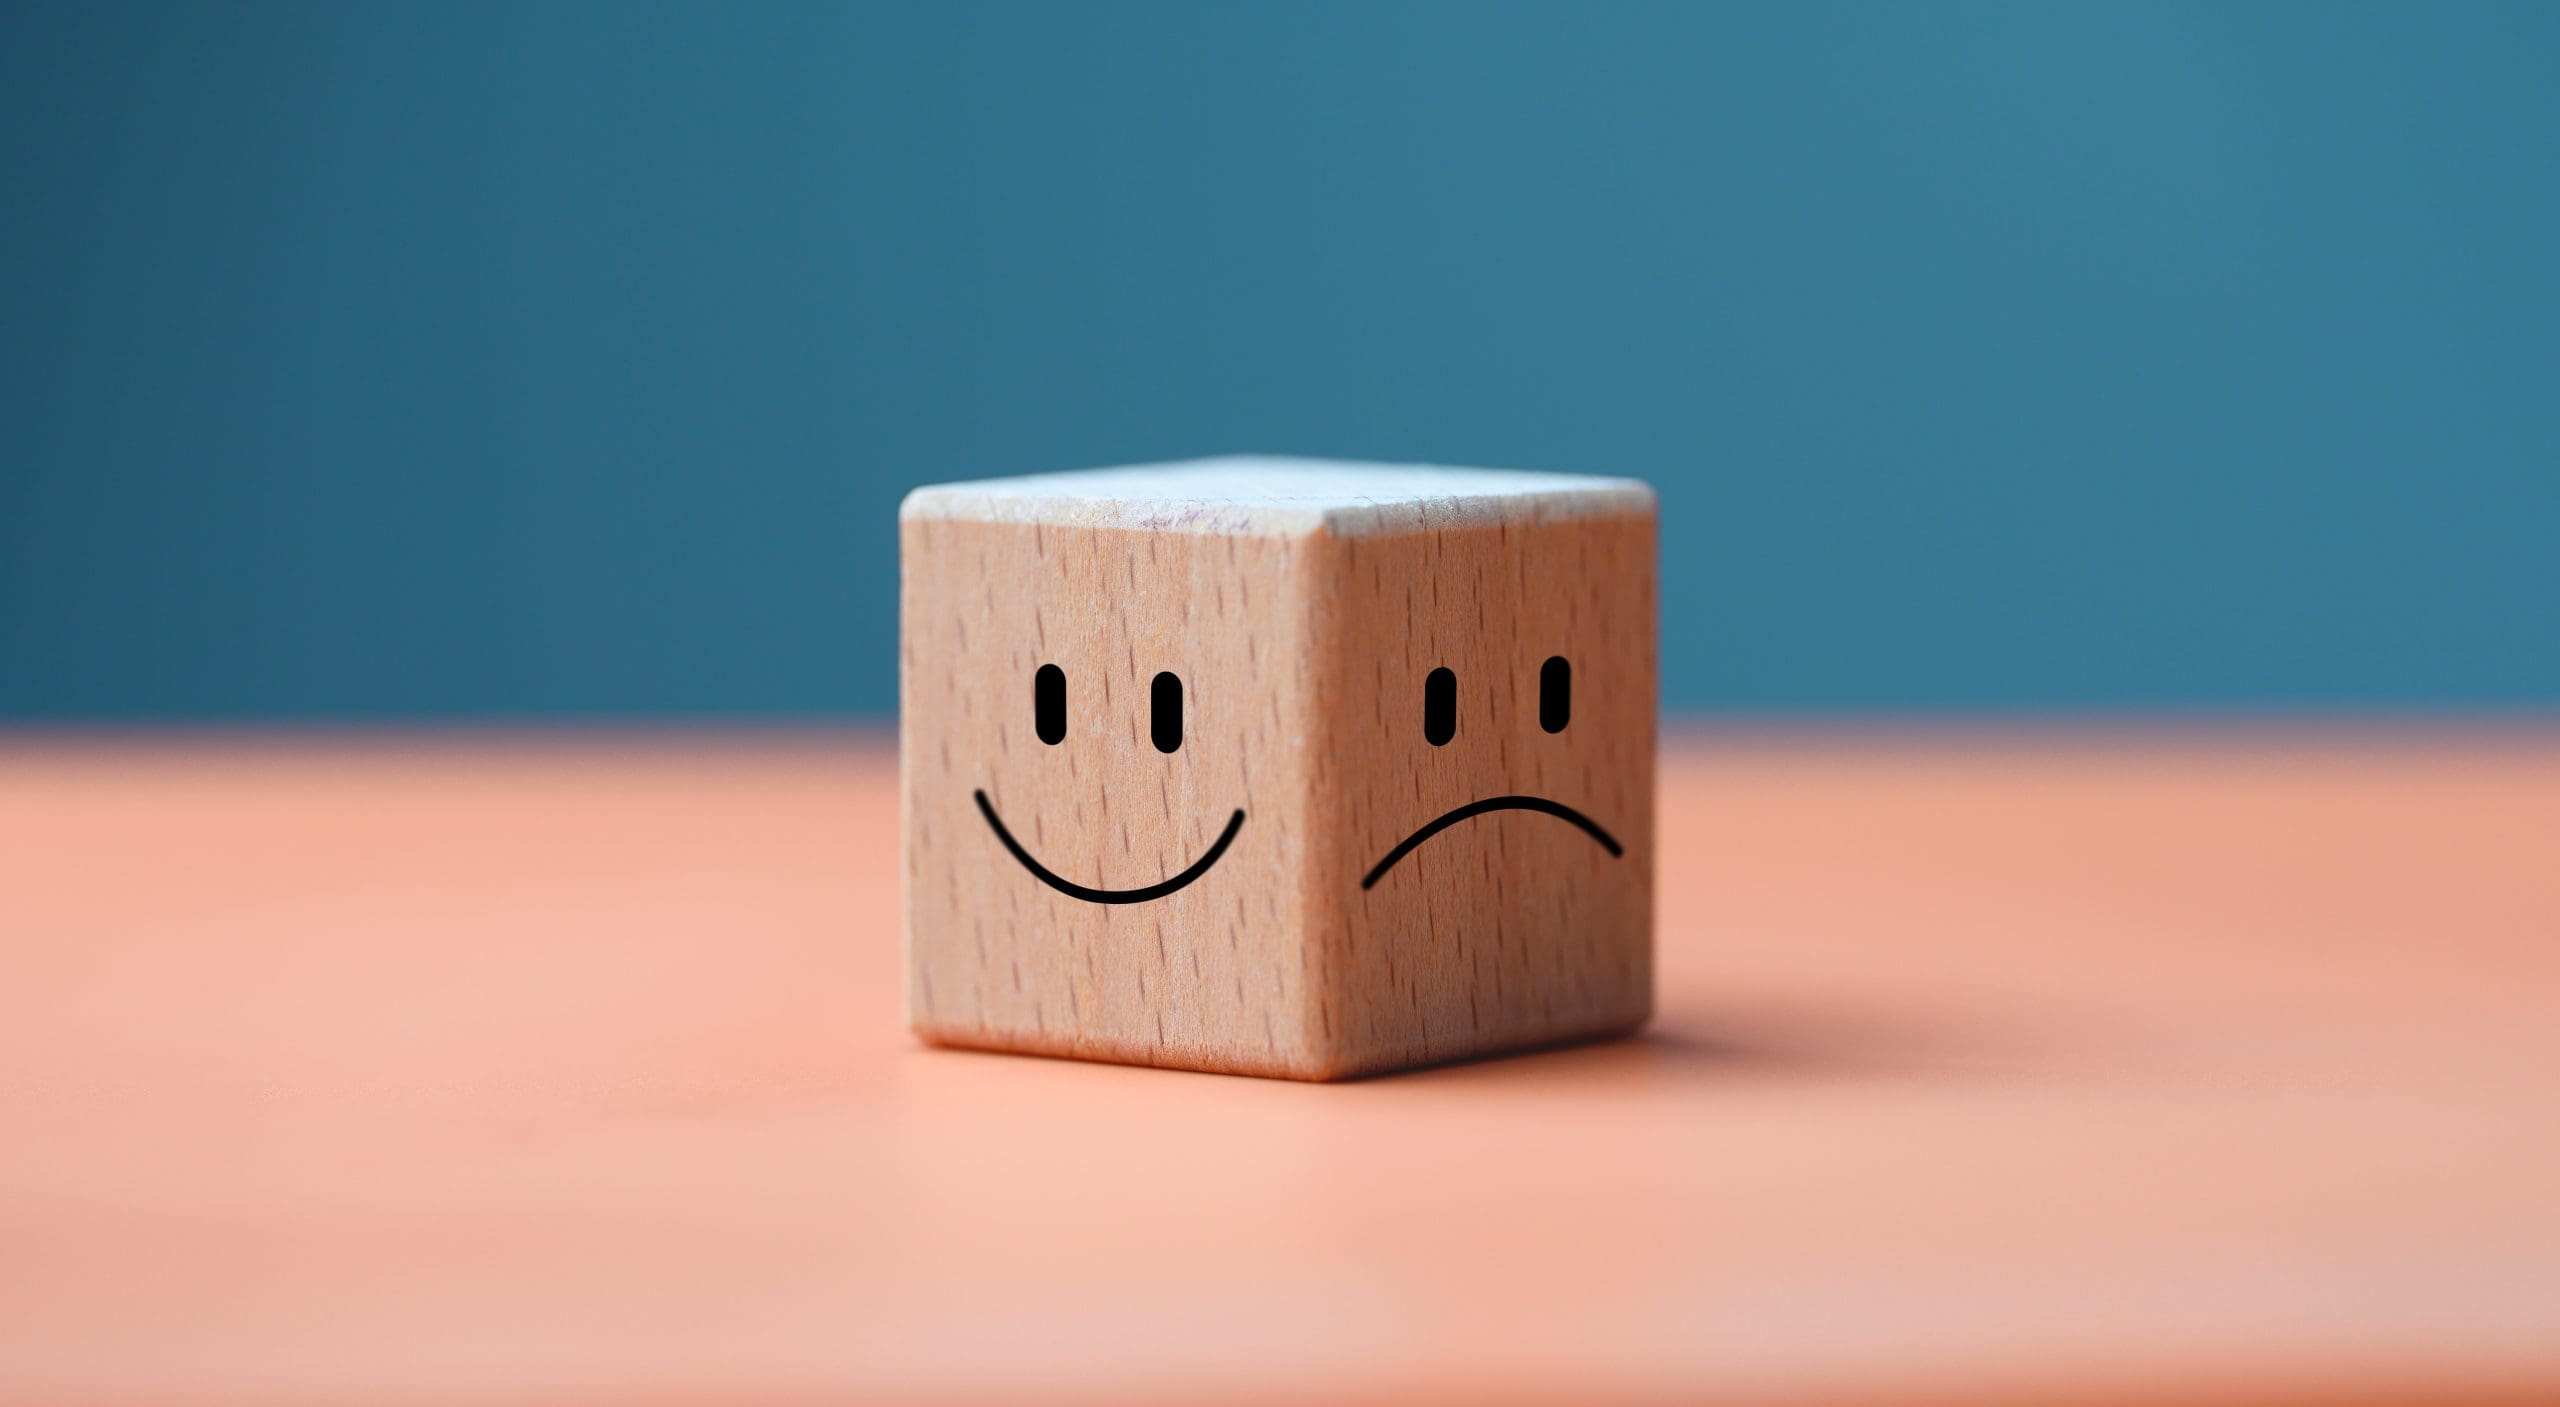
[1092,895]
[1472,809]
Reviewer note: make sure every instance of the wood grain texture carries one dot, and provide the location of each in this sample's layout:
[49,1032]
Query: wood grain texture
[1211,977]
[1303,637]
[1512,928]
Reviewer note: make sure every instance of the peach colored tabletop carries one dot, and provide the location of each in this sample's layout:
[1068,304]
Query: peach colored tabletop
[2132,1067]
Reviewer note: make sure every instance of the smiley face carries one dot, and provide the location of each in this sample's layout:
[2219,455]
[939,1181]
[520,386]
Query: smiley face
[1164,729]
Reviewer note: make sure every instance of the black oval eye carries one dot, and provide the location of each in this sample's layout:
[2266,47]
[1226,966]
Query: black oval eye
[1440,707]
[1555,694]
[1167,721]
[1049,704]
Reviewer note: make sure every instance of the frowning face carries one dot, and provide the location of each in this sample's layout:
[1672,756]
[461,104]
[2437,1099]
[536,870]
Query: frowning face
[1440,725]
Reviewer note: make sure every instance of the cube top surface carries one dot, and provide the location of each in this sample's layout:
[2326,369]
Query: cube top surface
[1266,495]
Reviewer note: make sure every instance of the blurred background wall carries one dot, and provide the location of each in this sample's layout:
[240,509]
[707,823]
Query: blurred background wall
[562,360]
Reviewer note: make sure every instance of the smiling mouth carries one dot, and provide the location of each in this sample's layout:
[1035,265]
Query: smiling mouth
[1092,895]
[1472,809]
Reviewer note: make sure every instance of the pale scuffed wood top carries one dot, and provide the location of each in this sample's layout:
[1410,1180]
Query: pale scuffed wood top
[1270,495]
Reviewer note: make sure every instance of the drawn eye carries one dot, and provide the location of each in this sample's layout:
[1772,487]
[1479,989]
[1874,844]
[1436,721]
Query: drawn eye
[1440,707]
[1555,693]
[1166,702]
[1049,704]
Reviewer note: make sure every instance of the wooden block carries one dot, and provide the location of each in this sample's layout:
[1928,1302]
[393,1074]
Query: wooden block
[1278,767]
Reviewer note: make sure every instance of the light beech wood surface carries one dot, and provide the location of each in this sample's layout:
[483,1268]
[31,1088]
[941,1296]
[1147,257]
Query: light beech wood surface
[1339,905]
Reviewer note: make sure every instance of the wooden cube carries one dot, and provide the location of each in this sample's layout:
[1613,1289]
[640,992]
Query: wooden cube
[1278,767]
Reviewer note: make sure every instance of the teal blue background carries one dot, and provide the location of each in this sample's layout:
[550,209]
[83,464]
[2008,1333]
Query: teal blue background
[494,361]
